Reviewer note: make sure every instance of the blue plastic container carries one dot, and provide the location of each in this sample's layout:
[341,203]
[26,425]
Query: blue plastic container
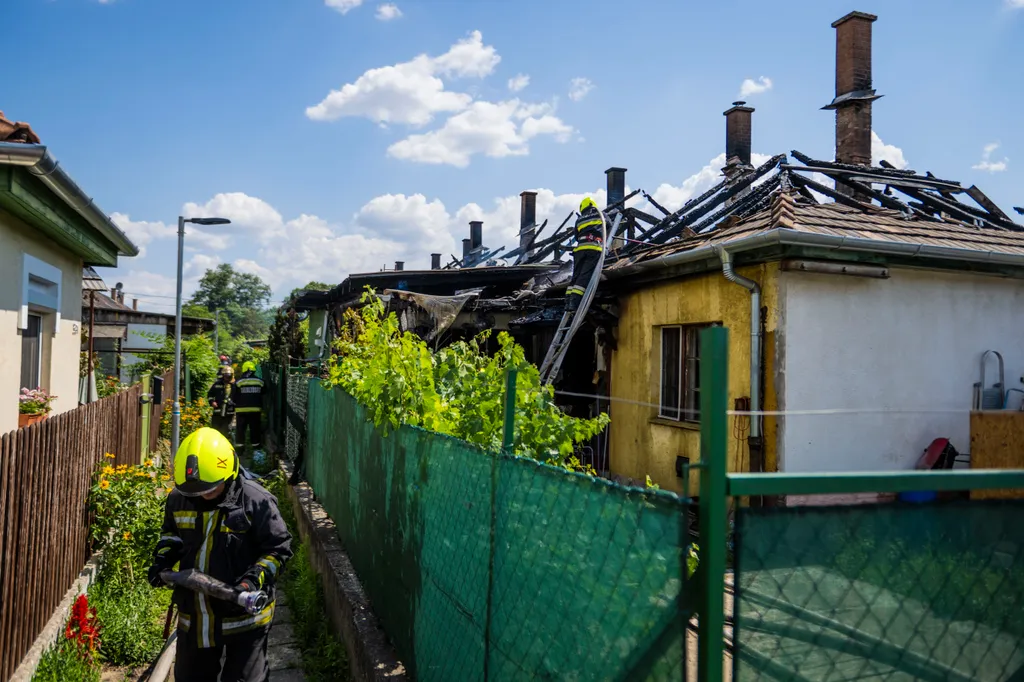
[918,496]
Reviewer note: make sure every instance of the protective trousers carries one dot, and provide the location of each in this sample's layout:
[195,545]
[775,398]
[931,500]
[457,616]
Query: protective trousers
[583,265]
[245,659]
[248,422]
[221,423]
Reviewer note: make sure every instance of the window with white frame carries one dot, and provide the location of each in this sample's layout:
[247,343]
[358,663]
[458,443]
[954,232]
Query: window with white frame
[680,373]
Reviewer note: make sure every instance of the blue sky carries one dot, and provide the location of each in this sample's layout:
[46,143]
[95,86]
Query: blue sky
[161,106]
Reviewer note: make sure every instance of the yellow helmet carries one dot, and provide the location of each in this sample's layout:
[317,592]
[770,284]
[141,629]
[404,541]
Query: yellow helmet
[205,460]
[226,370]
[248,366]
[587,203]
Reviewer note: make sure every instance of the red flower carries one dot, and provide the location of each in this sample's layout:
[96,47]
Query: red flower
[83,626]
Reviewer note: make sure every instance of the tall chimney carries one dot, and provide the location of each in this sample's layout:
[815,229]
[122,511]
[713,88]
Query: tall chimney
[854,93]
[399,265]
[737,138]
[135,304]
[616,184]
[467,249]
[527,223]
[435,261]
[476,233]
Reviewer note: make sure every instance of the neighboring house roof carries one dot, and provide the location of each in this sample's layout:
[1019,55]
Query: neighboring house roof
[91,280]
[37,190]
[112,312]
[11,131]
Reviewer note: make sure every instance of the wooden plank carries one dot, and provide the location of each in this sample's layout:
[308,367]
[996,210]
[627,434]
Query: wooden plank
[23,592]
[996,439]
[8,445]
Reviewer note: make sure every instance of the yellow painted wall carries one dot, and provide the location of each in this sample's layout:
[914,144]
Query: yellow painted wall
[640,443]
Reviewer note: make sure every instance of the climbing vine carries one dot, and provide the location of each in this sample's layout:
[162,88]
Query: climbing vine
[458,390]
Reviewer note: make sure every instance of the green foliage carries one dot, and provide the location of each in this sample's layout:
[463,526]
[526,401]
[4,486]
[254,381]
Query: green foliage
[287,337]
[459,390]
[240,296]
[132,617]
[194,415]
[324,657]
[203,362]
[128,512]
[245,353]
[64,662]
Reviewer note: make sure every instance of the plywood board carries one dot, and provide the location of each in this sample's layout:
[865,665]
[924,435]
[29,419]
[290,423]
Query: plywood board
[997,442]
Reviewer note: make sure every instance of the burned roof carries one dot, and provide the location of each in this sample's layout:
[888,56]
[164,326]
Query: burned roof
[16,131]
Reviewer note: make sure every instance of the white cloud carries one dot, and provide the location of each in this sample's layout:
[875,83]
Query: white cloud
[751,87]
[1015,4]
[579,88]
[986,163]
[343,6]
[410,92]
[519,82]
[888,152]
[142,232]
[387,12]
[251,218]
[496,129]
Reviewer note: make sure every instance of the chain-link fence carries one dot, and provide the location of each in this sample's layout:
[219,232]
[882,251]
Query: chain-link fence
[888,592]
[295,416]
[489,567]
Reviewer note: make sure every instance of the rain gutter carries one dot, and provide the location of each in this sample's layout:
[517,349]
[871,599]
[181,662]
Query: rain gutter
[41,164]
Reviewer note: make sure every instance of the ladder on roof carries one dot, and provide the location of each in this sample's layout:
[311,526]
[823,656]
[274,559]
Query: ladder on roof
[572,320]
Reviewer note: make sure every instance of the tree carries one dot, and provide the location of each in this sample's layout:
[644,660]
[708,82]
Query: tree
[240,296]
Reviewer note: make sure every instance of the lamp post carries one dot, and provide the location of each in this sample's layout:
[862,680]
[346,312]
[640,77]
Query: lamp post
[176,411]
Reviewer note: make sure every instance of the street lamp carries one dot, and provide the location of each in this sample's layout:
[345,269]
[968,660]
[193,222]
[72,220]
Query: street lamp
[176,412]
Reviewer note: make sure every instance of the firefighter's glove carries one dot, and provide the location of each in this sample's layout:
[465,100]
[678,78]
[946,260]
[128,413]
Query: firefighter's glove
[167,553]
[256,578]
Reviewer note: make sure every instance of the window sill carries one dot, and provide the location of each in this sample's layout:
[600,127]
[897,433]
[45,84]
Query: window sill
[685,426]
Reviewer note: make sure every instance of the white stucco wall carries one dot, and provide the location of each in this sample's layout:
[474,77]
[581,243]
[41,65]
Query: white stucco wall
[59,373]
[911,342]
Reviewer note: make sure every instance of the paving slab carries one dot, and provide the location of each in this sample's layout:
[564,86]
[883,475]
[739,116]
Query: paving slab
[281,634]
[283,657]
[289,675]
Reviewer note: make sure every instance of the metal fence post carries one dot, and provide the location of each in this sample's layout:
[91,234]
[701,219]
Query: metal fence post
[714,399]
[147,410]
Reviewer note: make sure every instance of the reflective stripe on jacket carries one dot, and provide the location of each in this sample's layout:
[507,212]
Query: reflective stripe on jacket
[248,394]
[242,534]
[589,224]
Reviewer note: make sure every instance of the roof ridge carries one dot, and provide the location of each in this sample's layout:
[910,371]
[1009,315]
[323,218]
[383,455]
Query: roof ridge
[783,210]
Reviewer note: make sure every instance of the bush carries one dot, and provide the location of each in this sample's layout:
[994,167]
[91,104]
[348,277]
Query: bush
[128,505]
[194,415]
[132,616]
[459,390]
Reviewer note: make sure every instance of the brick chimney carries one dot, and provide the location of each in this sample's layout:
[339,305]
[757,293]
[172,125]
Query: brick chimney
[435,261]
[135,304]
[467,249]
[616,184]
[527,223]
[854,93]
[737,139]
[476,233]
[399,265]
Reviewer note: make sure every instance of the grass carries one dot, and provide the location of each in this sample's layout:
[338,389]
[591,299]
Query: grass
[324,657]
[132,615]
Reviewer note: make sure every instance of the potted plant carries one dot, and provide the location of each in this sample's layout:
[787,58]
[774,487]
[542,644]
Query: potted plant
[33,406]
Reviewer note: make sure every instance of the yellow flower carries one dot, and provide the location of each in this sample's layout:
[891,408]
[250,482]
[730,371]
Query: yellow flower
[127,535]
[104,484]
[107,470]
[148,463]
[165,477]
[168,490]
[110,456]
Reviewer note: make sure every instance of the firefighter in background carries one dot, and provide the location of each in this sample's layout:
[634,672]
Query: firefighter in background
[248,399]
[220,397]
[230,528]
[589,245]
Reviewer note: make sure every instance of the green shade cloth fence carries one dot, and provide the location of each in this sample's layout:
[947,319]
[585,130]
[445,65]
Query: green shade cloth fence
[490,567]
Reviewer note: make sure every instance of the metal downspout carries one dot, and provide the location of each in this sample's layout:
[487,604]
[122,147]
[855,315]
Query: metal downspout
[755,341]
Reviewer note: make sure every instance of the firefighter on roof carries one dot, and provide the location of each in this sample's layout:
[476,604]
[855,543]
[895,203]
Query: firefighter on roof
[589,245]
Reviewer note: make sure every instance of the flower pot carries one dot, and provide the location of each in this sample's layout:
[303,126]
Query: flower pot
[30,419]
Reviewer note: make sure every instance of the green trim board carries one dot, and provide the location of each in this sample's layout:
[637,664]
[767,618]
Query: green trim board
[751,485]
[25,197]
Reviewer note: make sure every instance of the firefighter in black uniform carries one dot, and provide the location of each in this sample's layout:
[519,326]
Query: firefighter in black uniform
[248,399]
[220,400]
[589,245]
[230,528]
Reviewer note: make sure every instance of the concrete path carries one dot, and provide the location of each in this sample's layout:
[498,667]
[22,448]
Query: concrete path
[284,657]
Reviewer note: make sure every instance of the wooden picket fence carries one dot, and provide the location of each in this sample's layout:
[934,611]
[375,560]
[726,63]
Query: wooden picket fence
[46,471]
